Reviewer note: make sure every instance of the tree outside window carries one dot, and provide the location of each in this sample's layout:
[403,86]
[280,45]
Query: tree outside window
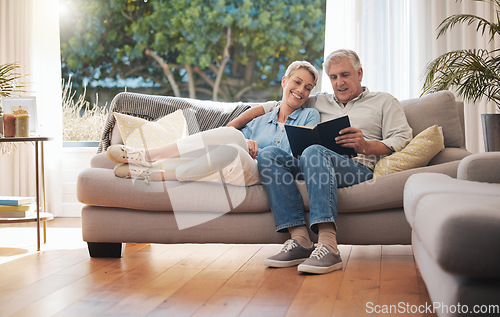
[218,50]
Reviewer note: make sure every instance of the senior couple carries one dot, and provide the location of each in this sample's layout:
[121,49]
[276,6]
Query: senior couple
[378,127]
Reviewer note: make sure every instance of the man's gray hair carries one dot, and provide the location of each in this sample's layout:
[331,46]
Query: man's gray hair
[303,64]
[336,56]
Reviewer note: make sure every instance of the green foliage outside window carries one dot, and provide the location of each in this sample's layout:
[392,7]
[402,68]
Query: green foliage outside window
[220,49]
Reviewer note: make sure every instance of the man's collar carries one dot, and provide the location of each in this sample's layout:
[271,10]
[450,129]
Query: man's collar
[361,95]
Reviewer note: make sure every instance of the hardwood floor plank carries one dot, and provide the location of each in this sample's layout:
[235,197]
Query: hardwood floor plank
[233,296]
[398,284]
[276,292]
[107,274]
[361,282]
[154,263]
[145,299]
[318,293]
[192,279]
[201,287]
[400,289]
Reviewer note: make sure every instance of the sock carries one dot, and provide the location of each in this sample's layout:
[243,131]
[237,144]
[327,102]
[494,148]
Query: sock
[300,234]
[327,235]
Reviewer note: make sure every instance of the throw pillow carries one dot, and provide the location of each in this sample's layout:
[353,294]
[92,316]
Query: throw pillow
[417,153]
[143,134]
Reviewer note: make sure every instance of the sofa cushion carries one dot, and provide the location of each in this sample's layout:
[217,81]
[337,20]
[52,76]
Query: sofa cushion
[384,192]
[100,187]
[417,153]
[143,134]
[437,108]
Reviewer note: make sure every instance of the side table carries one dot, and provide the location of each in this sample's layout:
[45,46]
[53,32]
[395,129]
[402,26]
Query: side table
[40,192]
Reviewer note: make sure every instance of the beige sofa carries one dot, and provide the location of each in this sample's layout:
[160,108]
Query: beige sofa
[456,235]
[120,210]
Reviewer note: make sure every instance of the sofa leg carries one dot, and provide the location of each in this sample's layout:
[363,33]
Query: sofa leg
[105,250]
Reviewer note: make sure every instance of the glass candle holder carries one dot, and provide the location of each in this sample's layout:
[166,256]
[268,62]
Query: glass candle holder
[9,125]
[22,126]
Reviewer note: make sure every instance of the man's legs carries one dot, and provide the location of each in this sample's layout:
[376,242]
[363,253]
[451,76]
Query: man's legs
[324,171]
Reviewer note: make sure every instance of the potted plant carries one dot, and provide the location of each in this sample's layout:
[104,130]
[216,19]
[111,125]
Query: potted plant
[473,73]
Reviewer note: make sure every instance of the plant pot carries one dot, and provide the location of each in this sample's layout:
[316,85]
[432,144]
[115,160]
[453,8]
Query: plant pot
[491,131]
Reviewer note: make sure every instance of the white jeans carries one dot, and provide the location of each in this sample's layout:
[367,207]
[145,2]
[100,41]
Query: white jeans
[214,154]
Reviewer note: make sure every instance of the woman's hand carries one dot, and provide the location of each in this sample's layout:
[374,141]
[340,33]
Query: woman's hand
[253,149]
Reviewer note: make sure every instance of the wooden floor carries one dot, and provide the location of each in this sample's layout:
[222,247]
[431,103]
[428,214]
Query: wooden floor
[194,280]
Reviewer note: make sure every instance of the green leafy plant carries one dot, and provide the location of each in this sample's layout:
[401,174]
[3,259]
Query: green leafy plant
[473,73]
[9,80]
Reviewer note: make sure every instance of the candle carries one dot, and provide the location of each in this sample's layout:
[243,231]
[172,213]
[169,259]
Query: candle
[22,125]
[9,125]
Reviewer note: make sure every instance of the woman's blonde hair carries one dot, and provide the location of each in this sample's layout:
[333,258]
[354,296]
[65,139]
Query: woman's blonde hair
[303,64]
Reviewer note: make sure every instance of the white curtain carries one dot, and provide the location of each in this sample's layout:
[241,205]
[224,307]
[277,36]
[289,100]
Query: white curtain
[396,39]
[29,35]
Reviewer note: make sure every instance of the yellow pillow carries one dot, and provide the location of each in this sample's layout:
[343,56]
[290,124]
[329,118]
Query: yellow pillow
[417,153]
[143,134]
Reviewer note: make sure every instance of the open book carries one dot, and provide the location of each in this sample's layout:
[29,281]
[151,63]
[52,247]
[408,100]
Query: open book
[324,133]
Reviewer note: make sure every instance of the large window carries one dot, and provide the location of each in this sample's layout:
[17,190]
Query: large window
[218,50]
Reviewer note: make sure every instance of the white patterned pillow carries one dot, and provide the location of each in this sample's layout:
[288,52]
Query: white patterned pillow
[417,153]
[143,134]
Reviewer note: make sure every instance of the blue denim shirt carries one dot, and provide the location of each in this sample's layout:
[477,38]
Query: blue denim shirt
[266,131]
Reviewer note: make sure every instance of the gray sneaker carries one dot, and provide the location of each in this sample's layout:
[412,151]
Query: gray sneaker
[291,254]
[321,261]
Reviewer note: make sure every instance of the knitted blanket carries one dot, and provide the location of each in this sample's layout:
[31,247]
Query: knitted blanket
[200,115]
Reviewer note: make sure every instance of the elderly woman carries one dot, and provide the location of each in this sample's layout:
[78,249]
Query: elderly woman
[226,152]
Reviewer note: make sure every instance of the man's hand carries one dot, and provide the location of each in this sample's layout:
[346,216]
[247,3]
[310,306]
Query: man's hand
[353,138]
[253,148]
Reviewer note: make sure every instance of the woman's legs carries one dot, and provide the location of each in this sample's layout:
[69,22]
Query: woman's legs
[230,162]
[194,158]
[278,172]
[202,141]
[206,140]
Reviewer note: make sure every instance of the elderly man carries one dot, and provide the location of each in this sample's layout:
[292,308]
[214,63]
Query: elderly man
[378,127]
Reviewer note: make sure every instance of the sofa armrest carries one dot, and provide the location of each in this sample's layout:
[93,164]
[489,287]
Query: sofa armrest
[449,154]
[101,160]
[457,222]
[480,167]
[460,232]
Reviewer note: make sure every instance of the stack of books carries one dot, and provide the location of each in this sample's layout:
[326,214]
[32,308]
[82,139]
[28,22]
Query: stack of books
[15,206]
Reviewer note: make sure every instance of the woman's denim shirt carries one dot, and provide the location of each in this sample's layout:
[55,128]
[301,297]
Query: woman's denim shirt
[266,131]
